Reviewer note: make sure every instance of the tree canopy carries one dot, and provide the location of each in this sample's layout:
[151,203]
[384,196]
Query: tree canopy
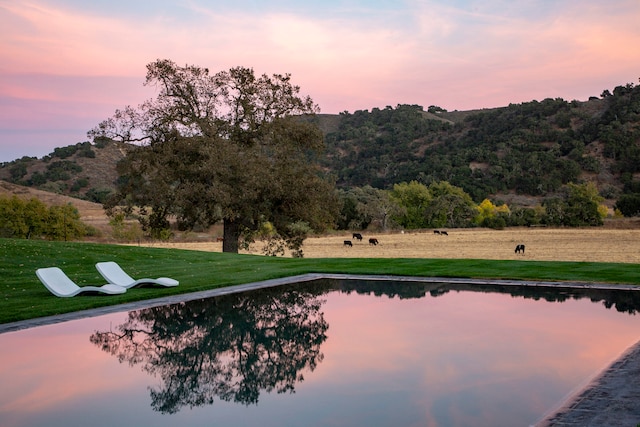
[229,146]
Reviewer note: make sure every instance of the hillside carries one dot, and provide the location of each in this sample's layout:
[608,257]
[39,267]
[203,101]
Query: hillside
[519,154]
[91,213]
[83,170]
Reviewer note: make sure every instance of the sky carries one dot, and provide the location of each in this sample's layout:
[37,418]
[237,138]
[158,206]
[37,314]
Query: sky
[66,65]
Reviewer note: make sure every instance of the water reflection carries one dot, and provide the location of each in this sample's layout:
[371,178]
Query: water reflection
[235,347]
[622,301]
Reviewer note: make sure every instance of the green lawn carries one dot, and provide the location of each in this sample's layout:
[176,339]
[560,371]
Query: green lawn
[24,297]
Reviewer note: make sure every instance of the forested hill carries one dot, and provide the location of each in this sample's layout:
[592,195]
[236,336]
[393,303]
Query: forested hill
[526,150]
[530,149]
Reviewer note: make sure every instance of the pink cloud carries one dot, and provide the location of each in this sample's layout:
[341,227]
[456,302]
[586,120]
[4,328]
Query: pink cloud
[421,53]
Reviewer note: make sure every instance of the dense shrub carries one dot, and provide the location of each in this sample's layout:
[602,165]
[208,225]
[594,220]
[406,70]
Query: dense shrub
[79,184]
[31,219]
[629,204]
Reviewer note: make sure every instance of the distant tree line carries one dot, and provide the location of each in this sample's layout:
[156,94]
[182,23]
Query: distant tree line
[416,206]
[31,219]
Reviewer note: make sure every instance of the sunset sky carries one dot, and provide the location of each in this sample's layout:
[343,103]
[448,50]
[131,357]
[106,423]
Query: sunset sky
[65,65]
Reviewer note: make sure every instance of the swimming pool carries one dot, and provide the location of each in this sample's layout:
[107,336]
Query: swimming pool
[326,352]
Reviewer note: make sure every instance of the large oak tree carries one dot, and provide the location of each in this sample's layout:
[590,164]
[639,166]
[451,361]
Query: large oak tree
[230,146]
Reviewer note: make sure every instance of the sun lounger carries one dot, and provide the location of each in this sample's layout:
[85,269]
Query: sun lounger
[114,274]
[61,285]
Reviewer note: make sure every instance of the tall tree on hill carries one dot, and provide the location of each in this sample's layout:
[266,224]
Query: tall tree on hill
[229,146]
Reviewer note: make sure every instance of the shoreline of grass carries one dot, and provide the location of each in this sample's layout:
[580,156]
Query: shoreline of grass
[24,297]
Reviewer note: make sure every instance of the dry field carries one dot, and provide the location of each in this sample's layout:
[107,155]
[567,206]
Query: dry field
[548,244]
[618,241]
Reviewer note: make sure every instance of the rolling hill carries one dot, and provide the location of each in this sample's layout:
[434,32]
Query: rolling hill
[518,154]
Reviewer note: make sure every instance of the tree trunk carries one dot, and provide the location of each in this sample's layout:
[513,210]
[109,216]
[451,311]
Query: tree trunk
[230,236]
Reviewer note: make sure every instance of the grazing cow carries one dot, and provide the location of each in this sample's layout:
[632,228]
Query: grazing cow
[436,231]
[357,236]
[373,241]
[520,248]
[348,243]
[444,233]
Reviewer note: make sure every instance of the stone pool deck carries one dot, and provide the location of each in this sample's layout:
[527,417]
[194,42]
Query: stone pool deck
[611,399]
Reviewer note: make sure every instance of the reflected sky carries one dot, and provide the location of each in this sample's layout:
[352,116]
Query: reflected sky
[461,358]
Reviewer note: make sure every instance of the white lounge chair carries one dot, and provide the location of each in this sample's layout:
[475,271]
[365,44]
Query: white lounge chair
[114,274]
[61,285]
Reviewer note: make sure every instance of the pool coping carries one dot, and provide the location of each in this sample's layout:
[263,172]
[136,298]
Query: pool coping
[611,398]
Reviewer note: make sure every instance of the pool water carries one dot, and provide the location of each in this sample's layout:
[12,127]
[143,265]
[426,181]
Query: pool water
[325,353]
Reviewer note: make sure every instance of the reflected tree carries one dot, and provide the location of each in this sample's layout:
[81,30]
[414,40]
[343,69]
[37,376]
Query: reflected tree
[233,347]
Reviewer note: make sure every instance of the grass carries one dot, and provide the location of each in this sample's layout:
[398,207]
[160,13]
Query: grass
[24,297]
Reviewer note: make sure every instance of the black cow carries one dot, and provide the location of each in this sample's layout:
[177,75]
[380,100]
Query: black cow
[519,248]
[436,231]
[444,233]
[373,241]
[348,243]
[357,236]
